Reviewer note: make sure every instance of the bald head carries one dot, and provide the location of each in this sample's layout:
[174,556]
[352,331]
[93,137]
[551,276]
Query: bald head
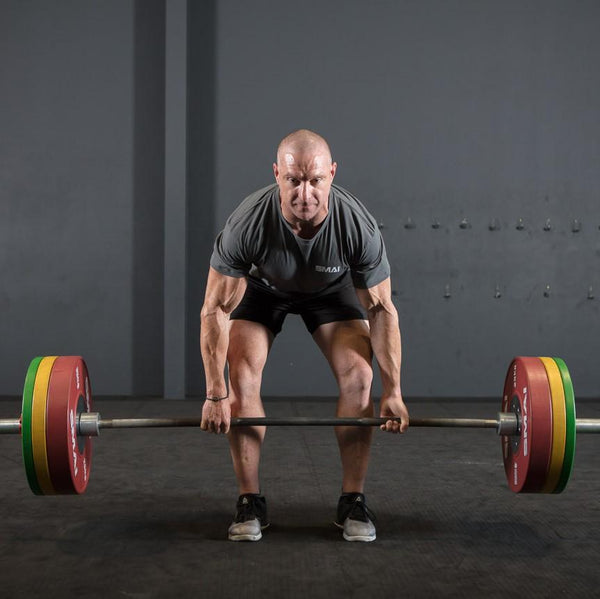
[304,172]
[302,143]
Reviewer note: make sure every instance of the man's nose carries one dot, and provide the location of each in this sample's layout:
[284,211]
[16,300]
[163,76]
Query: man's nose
[305,191]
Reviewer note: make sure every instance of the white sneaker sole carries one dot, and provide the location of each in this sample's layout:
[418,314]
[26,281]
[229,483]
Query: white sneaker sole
[248,537]
[360,538]
[257,537]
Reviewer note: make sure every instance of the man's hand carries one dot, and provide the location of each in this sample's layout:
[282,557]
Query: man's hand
[216,416]
[394,407]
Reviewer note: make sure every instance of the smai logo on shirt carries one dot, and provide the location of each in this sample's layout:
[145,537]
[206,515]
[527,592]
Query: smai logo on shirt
[328,268]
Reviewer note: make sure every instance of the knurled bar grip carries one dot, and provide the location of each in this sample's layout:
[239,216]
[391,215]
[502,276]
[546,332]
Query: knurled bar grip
[296,421]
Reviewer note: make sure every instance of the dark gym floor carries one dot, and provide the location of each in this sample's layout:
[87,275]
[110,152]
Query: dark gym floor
[153,521]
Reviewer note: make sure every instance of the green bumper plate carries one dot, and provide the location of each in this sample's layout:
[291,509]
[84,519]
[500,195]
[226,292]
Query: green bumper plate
[571,427]
[26,433]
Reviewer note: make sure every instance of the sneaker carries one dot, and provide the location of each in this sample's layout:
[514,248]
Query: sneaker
[355,518]
[250,518]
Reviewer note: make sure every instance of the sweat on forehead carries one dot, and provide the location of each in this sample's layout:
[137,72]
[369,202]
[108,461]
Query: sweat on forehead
[302,142]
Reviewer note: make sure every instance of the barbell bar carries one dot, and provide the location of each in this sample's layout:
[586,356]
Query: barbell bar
[90,423]
[537,425]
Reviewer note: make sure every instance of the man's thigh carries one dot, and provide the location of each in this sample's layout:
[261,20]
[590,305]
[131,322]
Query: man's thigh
[249,344]
[346,344]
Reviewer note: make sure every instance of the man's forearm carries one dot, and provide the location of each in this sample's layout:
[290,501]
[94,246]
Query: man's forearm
[223,294]
[387,347]
[214,341]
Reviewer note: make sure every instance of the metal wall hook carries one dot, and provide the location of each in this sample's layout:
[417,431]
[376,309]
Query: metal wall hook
[497,292]
[409,224]
[590,294]
[494,225]
[520,224]
[547,291]
[575,226]
[447,293]
[435,224]
[547,225]
[465,224]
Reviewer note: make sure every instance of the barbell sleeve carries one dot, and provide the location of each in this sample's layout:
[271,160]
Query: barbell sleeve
[10,426]
[587,425]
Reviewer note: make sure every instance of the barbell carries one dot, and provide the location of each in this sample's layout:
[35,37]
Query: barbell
[537,425]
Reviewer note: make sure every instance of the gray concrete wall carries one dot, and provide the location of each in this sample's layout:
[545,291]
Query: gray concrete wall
[80,189]
[148,210]
[202,77]
[436,112]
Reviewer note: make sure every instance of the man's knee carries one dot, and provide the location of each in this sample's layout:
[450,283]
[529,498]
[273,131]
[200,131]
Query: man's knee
[356,379]
[245,373]
[246,356]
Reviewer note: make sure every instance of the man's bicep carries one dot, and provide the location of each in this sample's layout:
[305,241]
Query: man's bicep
[377,296]
[223,291]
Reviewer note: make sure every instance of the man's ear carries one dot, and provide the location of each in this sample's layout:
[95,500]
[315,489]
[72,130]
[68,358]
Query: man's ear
[333,169]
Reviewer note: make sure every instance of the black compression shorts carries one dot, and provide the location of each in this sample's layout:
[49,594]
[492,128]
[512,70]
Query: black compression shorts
[267,308]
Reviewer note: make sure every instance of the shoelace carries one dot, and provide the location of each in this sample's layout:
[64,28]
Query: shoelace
[245,511]
[360,511]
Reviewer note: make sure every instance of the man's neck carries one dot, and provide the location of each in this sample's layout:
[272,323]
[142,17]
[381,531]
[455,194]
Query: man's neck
[306,230]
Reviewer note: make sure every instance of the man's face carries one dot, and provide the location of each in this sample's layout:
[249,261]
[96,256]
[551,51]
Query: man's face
[304,181]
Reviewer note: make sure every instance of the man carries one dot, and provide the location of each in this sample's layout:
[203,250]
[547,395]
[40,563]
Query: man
[308,247]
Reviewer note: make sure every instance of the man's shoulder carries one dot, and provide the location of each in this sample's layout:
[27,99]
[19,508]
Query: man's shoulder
[341,194]
[256,205]
[349,207]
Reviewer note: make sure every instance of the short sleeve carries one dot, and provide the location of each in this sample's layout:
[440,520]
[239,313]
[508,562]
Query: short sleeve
[372,266]
[229,257]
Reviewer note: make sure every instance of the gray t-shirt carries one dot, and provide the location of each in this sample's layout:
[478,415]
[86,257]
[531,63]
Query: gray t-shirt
[257,242]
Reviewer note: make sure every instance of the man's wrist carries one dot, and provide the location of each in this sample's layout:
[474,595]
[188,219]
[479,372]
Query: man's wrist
[215,398]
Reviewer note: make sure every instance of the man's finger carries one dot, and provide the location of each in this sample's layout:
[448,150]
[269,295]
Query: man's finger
[394,426]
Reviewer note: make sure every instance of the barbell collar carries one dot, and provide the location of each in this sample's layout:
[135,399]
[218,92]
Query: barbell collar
[508,423]
[89,424]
